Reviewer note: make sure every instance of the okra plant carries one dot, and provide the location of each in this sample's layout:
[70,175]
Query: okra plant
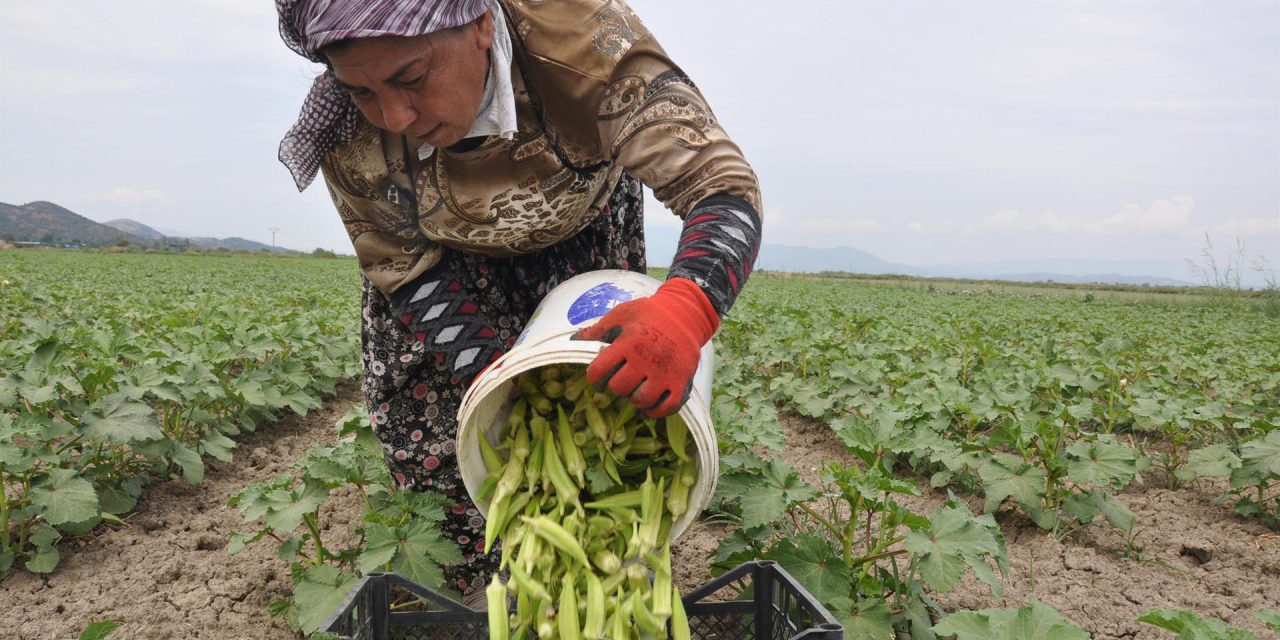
[398,530]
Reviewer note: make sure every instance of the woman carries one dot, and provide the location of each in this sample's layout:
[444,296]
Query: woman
[479,152]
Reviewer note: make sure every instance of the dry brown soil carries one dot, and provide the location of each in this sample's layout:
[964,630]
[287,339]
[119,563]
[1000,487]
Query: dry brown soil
[168,574]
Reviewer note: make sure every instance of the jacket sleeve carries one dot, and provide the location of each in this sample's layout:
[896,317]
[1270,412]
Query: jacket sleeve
[653,121]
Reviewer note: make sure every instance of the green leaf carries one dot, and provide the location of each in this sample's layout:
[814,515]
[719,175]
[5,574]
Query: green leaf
[117,419]
[954,539]
[239,541]
[65,497]
[99,630]
[1190,626]
[218,446]
[415,550]
[115,500]
[778,489]
[812,561]
[82,527]
[871,620]
[1101,463]
[1033,621]
[289,549]
[44,538]
[189,461]
[380,546]
[1006,476]
[321,592]
[1214,461]
[1259,461]
[288,507]
[1271,619]
[598,480]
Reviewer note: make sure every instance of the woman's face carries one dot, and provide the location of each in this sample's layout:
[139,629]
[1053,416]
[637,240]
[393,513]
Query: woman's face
[426,87]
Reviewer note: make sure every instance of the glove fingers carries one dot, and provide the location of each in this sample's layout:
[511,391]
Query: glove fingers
[605,365]
[599,332]
[649,395]
[625,381]
[669,403]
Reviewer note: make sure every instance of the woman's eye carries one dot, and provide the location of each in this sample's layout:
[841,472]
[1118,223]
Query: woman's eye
[360,94]
[412,82]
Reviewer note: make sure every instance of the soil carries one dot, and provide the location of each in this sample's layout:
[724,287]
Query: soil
[168,575]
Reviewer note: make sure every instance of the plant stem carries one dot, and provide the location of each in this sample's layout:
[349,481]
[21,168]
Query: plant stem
[4,517]
[881,555]
[812,513]
[322,554]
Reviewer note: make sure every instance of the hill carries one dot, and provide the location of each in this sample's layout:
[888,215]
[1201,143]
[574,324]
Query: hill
[42,221]
[136,228]
[47,222]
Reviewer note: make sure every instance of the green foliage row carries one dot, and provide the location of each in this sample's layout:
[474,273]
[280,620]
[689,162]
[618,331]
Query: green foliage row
[1043,403]
[116,369]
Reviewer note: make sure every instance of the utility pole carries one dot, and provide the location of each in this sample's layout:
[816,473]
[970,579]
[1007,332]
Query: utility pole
[273,236]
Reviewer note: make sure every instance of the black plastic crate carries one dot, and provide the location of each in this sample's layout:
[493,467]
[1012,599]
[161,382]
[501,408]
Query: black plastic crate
[780,609]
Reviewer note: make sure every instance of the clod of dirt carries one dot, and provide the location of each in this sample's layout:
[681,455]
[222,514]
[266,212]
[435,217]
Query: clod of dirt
[1195,556]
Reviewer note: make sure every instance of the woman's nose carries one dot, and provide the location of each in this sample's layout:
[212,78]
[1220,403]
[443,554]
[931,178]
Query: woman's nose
[397,114]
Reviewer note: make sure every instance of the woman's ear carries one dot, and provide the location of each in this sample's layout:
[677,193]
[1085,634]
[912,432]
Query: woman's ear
[484,30]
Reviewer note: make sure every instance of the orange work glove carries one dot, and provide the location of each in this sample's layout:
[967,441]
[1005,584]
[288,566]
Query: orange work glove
[654,346]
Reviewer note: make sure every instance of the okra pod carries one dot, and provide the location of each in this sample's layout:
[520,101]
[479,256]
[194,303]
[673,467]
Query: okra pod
[573,460]
[679,621]
[496,599]
[493,463]
[678,436]
[567,614]
[593,629]
[555,535]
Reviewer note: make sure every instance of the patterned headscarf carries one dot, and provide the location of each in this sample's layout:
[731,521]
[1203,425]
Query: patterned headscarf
[329,117]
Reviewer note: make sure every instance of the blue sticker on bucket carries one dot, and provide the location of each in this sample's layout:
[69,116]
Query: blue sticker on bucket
[597,301]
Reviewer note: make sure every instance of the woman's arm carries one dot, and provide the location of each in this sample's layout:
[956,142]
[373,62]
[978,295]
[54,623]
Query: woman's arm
[654,121]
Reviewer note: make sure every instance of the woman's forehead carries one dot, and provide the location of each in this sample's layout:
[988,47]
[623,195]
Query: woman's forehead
[378,59]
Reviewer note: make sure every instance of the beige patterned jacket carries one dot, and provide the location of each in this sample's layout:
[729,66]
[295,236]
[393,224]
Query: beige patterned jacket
[595,96]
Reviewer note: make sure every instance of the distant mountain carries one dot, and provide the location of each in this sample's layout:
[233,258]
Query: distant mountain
[209,243]
[1097,278]
[1130,271]
[47,222]
[136,228]
[851,260]
[42,221]
[234,244]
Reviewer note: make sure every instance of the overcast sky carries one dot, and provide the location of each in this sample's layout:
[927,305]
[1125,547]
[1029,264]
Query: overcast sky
[924,132]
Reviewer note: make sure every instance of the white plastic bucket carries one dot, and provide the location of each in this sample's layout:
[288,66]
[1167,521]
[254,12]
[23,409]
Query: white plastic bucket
[572,305]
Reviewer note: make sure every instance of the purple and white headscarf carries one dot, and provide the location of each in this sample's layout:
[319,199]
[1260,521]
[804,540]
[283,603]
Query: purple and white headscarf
[328,115]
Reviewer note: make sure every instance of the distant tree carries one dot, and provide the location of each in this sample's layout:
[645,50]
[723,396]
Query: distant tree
[323,253]
[122,242]
[47,238]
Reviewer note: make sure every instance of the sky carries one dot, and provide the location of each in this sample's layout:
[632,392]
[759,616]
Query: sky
[923,132]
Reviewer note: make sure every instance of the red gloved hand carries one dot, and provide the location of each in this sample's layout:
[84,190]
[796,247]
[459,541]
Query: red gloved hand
[654,346]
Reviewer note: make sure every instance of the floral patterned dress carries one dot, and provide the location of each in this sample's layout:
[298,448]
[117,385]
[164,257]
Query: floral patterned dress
[413,396]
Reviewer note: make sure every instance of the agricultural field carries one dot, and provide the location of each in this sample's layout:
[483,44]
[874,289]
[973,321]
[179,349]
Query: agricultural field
[183,451]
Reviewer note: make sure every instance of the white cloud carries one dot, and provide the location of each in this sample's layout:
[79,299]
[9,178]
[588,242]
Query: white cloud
[1234,226]
[129,195]
[1163,216]
[1172,216]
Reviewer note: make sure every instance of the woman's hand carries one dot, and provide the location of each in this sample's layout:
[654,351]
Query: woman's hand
[654,346]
